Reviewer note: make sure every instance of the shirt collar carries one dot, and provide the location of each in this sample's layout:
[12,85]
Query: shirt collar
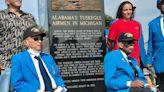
[7,11]
[124,54]
[34,52]
[162,15]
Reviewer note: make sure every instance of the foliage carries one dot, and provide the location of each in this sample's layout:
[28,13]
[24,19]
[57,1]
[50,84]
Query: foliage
[108,19]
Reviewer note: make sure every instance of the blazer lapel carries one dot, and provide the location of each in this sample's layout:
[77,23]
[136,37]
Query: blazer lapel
[159,26]
[135,66]
[127,66]
[28,61]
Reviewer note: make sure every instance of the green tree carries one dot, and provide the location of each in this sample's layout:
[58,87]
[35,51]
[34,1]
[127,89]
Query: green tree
[108,19]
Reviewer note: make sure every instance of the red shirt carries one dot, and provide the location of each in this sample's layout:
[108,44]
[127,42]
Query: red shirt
[120,26]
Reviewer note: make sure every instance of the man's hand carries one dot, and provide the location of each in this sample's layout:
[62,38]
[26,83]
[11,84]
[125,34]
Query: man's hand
[148,66]
[1,67]
[137,84]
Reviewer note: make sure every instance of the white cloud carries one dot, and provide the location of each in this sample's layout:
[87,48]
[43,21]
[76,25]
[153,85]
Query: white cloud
[3,5]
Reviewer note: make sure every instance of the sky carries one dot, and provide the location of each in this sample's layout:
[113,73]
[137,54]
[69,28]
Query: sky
[145,10]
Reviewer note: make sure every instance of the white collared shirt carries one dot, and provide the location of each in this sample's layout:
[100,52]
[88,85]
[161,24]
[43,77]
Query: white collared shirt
[162,25]
[125,56]
[36,64]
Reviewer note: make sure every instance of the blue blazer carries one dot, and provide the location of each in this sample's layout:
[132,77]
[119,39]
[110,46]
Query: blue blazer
[155,53]
[117,71]
[24,76]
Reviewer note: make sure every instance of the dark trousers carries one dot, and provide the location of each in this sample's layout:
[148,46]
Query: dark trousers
[160,81]
[140,90]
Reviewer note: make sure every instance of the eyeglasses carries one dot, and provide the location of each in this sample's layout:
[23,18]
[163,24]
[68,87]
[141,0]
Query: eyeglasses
[37,38]
[128,43]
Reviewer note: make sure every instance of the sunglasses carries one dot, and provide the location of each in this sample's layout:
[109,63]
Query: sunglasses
[128,43]
[37,38]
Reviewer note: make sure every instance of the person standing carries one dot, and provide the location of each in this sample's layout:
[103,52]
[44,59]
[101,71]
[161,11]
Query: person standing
[13,23]
[126,23]
[121,71]
[155,53]
[35,71]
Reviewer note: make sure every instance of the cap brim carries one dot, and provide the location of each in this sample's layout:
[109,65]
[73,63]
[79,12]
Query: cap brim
[127,40]
[132,40]
[39,34]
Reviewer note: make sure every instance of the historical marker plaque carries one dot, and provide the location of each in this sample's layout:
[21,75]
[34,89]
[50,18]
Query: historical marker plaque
[76,40]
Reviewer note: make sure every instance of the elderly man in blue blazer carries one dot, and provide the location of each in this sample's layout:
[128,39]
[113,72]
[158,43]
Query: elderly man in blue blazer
[33,70]
[155,53]
[121,72]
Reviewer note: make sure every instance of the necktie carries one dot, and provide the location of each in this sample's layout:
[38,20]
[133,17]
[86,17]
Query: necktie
[135,71]
[46,78]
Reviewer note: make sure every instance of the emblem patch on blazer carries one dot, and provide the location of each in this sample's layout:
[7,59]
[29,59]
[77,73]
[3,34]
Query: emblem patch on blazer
[137,67]
[123,59]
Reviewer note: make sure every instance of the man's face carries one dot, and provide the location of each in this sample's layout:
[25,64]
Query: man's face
[14,3]
[35,42]
[127,47]
[161,7]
